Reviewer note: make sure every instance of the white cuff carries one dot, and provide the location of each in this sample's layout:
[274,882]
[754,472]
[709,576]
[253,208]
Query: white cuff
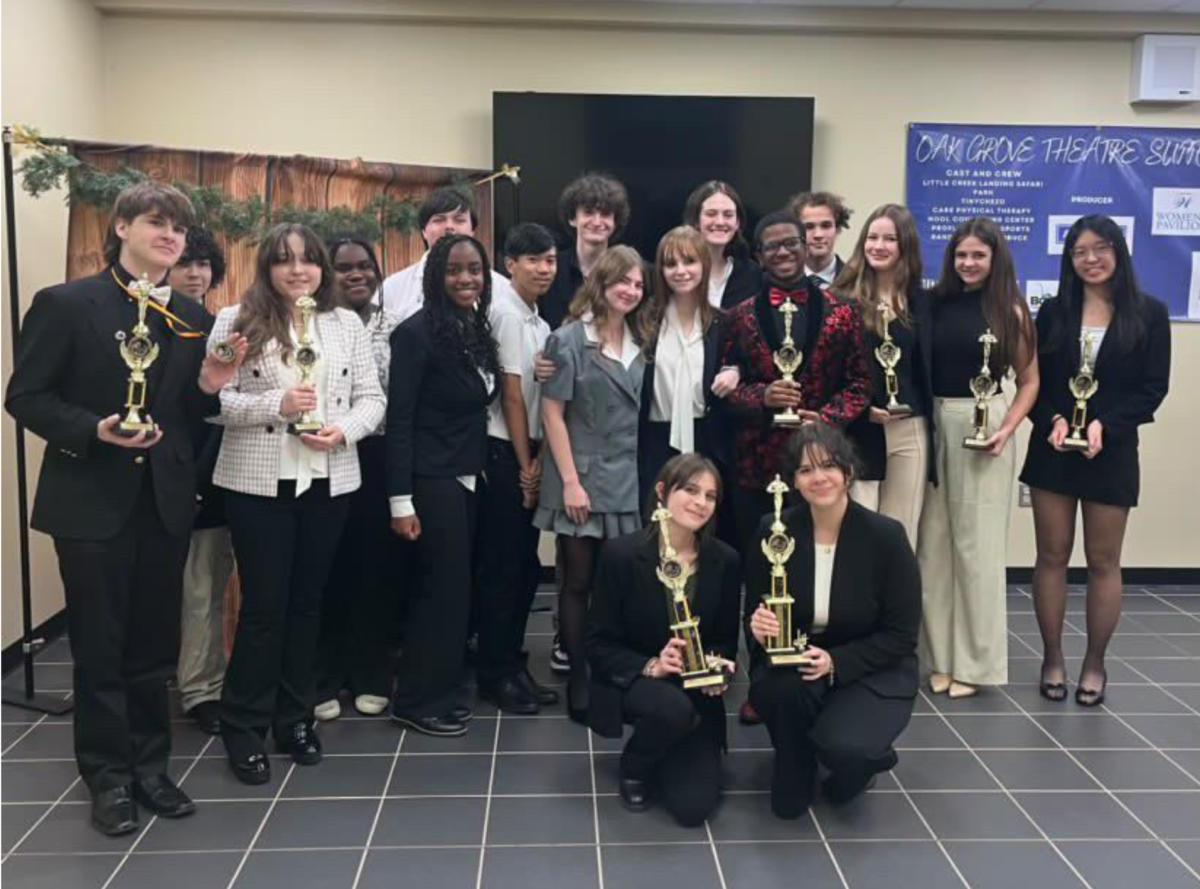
[402,506]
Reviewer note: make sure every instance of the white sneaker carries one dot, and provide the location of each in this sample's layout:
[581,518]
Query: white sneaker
[370,705]
[559,662]
[327,710]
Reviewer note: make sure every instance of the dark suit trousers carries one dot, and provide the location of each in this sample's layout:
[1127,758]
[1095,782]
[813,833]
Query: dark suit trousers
[361,601]
[508,568]
[848,730]
[285,547]
[670,748]
[435,634]
[123,599]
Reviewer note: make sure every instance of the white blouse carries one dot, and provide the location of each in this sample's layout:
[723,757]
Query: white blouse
[822,584]
[717,282]
[679,379]
[297,461]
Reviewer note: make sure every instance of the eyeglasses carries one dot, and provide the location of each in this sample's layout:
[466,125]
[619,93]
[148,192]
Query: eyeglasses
[1099,251]
[789,244]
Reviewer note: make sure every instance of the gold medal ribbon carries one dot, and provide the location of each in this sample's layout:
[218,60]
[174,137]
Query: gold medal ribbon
[187,333]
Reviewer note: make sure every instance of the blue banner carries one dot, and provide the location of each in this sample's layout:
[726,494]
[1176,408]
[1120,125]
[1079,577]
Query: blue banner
[1036,181]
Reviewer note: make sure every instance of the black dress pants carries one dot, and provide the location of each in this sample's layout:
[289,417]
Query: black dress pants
[508,568]
[848,730]
[672,748]
[435,634]
[123,600]
[284,546]
[361,598]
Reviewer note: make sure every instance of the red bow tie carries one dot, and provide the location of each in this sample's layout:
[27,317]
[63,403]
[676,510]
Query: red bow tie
[779,297]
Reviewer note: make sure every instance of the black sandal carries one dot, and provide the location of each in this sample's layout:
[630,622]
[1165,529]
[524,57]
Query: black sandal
[1087,697]
[1053,691]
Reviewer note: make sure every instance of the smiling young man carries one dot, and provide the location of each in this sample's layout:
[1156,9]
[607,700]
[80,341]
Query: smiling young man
[120,508]
[824,216]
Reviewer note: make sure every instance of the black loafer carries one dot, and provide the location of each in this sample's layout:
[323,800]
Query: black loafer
[253,768]
[301,743]
[635,794]
[434,726]
[460,713]
[839,792]
[207,716]
[543,694]
[510,696]
[113,812]
[159,794]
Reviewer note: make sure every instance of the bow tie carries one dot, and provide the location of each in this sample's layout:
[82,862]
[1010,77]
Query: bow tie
[779,297]
[138,286]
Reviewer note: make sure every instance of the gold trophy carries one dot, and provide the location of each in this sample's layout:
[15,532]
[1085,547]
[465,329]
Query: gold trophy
[888,354]
[983,387]
[700,670]
[306,361]
[784,650]
[788,359]
[139,352]
[1083,386]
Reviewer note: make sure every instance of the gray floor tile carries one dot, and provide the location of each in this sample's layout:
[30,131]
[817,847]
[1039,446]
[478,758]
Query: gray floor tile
[213,826]
[48,677]
[927,731]
[68,829]
[989,700]
[1037,770]
[340,776]
[480,738]
[432,868]
[380,736]
[1168,731]
[608,772]
[573,868]
[15,821]
[1171,816]
[50,740]
[1133,770]
[888,865]
[1018,731]
[1186,602]
[653,867]
[287,870]
[1170,622]
[441,775]
[1185,644]
[761,865]
[545,773]
[541,734]
[430,822]
[1069,816]
[212,779]
[59,871]
[608,745]
[1135,699]
[545,819]
[300,824]
[1077,731]
[1189,851]
[1143,646]
[746,737]
[872,816]
[37,781]
[1189,760]
[974,816]
[211,870]
[1005,865]
[1189,694]
[1183,670]
[654,826]
[749,770]
[748,817]
[942,770]
[1121,865]
[1030,700]
[11,733]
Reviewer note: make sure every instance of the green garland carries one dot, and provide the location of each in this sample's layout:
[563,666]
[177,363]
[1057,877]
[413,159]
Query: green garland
[51,165]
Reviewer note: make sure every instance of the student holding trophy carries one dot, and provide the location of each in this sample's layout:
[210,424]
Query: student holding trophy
[982,330]
[662,639]
[309,365]
[1104,348]
[856,594]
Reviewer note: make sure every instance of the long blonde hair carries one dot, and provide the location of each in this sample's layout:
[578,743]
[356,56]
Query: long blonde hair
[614,264]
[857,282]
[686,243]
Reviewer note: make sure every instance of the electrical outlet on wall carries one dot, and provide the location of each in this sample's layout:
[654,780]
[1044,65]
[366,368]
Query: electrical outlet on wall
[1023,498]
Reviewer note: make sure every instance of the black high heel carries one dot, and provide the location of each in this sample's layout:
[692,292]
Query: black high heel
[576,714]
[1087,697]
[1052,691]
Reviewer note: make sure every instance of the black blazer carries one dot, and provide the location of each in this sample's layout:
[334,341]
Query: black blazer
[69,375]
[874,602]
[628,625]
[869,438]
[745,281]
[437,410]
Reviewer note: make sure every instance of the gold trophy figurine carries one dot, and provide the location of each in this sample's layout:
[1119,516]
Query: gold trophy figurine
[983,387]
[784,650]
[700,670]
[788,359]
[138,352]
[1083,386]
[306,361]
[888,354]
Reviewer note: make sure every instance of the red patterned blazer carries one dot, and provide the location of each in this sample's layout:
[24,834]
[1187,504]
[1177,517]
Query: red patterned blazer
[835,378]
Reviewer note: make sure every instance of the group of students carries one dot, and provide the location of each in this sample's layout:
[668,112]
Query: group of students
[460,412]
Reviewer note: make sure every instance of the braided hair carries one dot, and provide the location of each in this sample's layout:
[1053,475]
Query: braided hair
[468,334]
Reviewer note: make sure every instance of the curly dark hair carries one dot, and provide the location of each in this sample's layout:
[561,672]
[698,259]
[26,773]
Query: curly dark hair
[202,245]
[836,204]
[451,330]
[595,191]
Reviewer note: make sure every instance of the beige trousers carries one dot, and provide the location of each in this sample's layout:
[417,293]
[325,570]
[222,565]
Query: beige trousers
[963,550]
[901,494]
[201,669]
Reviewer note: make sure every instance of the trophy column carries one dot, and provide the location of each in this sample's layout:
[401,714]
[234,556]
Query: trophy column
[783,650]
[983,387]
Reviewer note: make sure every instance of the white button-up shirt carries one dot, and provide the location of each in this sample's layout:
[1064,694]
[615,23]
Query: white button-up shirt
[520,334]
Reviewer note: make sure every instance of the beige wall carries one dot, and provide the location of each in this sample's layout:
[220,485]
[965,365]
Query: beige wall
[365,79]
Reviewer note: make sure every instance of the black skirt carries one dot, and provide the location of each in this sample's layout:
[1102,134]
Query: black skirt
[1113,477]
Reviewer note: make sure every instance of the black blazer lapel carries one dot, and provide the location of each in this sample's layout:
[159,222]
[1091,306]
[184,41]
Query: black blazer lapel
[765,316]
[112,319]
[801,567]
[712,356]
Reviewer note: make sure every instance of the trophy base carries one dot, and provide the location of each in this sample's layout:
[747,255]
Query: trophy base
[703,680]
[899,410]
[788,418]
[305,428]
[1074,444]
[788,658]
[972,443]
[127,429]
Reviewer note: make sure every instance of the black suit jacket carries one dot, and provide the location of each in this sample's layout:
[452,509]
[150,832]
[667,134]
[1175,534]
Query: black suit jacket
[628,622]
[874,600]
[437,410]
[69,375]
[745,281]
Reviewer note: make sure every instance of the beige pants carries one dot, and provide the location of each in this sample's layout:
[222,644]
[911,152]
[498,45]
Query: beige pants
[963,550]
[201,670]
[901,494]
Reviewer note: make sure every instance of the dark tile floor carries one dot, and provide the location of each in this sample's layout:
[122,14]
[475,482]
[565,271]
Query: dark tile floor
[1002,790]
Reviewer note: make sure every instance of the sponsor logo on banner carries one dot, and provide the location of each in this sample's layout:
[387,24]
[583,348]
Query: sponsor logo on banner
[1194,291]
[1037,292]
[1176,212]
[1058,226]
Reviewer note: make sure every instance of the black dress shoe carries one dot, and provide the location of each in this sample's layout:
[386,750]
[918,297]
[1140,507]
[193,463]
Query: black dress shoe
[301,743]
[252,768]
[434,726]
[510,696]
[635,794]
[543,694]
[159,794]
[747,715]
[207,716]
[460,713]
[113,812]
[840,792]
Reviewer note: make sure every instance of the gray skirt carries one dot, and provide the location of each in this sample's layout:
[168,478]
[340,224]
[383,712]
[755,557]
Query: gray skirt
[601,525]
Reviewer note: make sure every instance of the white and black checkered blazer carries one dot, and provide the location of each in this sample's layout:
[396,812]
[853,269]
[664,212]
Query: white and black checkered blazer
[254,428]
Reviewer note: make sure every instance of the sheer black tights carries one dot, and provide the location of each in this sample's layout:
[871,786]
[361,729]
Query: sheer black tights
[578,568]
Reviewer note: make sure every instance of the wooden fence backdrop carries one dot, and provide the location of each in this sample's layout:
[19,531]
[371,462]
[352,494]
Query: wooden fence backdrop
[308,182]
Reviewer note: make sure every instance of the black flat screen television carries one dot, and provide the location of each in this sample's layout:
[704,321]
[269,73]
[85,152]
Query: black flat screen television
[661,147]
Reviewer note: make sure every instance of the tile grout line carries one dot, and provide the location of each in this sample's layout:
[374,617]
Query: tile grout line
[44,816]
[595,807]
[932,833]
[837,867]
[487,806]
[716,858]
[24,735]
[362,861]
[261,826]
